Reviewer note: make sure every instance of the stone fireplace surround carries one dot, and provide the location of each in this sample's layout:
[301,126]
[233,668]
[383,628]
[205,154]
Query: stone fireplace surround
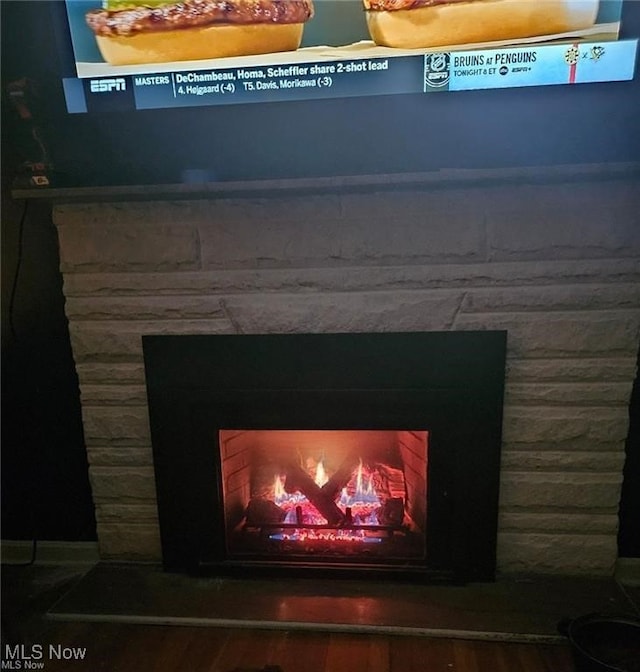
[553,257]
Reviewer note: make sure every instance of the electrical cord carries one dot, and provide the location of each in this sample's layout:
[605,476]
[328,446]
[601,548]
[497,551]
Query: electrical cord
[14,336]
[16,275]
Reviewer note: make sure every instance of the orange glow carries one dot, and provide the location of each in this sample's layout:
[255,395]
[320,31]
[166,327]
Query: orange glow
[363,505]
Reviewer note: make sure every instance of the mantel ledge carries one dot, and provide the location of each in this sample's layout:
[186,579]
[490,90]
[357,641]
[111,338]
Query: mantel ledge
[437,179]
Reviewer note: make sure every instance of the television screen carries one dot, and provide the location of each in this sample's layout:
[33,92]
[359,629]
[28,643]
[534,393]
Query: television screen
[160,54]
[341,103]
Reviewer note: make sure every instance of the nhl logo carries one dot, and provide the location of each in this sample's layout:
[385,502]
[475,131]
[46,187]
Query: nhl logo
[436,71]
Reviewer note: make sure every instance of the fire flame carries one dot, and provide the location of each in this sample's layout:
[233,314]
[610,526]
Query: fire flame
[321,474]
[363,503]
[365,492]
[279,493]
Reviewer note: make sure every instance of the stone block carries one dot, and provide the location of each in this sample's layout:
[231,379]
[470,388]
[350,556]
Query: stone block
[565,222]
[144,308]
[597,461]
[430,208]
[120,456]
[136,542]
[111,373]
[123,514]
[117,425]
[574,334]
[568,490]
[121,341]
[113,395]
[590,393]
[585,296]
[555,553]
[550,425]
[573,523]
[277,208]
[128,247]
[577,445]
[147,213]
[372,239]
[123,484]
[319,313]
[600,370]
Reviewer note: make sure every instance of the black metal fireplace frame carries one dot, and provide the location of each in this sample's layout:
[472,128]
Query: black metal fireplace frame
[449,383]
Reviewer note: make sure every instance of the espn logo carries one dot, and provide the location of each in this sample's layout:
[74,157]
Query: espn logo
[108,85]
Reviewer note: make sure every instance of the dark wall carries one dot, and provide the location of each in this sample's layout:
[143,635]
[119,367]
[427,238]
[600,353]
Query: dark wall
[45,485]
[45,488]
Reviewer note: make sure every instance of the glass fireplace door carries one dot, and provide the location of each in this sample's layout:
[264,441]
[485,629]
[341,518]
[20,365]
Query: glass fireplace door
[334,495]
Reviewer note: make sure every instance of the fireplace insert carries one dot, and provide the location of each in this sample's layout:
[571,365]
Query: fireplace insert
[333,454]
[337,495]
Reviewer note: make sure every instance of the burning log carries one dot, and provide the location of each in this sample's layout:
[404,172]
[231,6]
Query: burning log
[348,516]
[392,512]
[263,512]
[341,477]
[394,481]
[298,480]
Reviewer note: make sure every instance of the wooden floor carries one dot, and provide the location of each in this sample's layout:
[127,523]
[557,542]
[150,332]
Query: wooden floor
[82,645]
[113,647]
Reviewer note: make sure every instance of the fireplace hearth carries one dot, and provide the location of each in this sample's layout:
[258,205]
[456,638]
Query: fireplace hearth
[328,453]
